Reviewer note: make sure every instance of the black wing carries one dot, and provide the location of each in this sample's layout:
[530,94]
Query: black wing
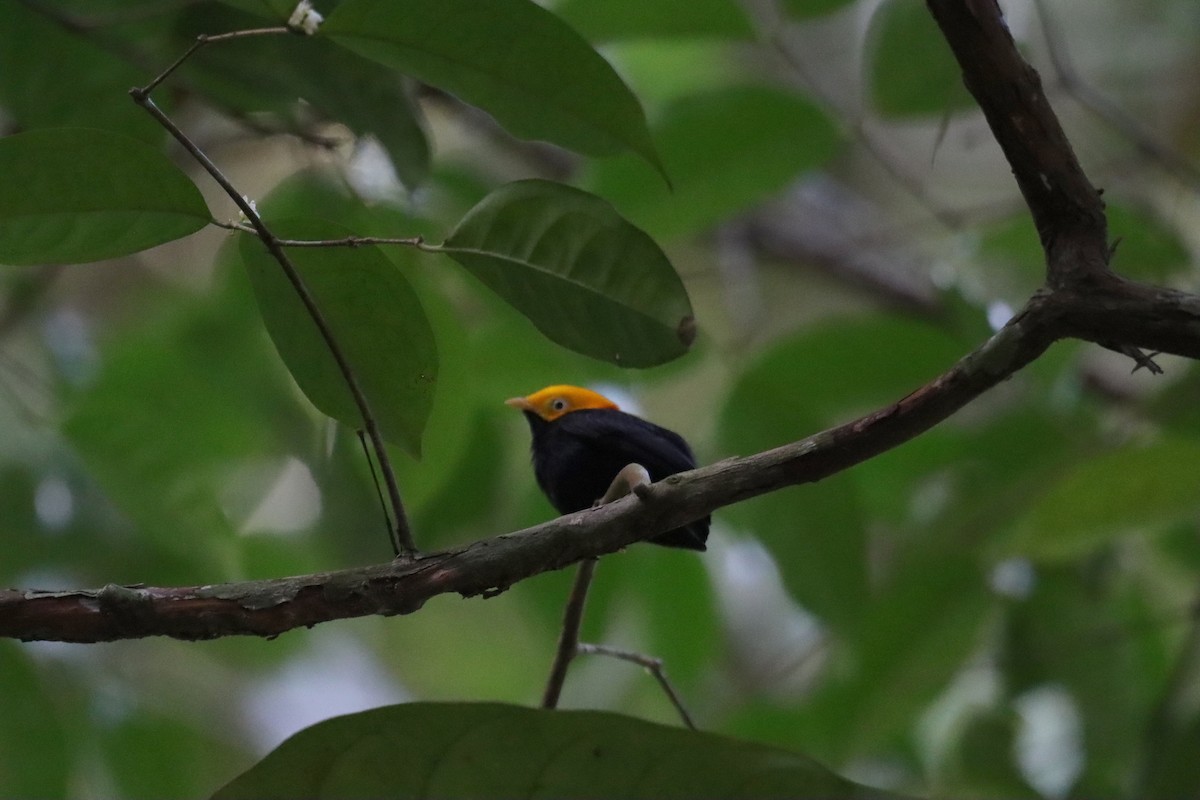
[630,439]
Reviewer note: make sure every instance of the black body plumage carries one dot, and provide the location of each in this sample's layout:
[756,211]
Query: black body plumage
[577,455]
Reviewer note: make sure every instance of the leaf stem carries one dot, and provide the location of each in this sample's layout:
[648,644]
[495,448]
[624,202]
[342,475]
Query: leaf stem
[346,241]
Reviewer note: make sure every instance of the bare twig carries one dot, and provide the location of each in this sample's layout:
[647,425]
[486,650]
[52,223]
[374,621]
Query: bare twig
[346,241]
[402,541]
[652,665]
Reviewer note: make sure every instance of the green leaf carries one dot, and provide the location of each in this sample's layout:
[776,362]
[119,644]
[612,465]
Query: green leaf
[892,356]
[270,73]
[806,9]
[1125,491]
[512,58]
[35,748]
[632,19]
[84,84]
[725,151]
[911,69]
[492,750]
[376,319]
[796,388]
[71,195]
[190,391]
[1147,249]
[1079,630]
[585,277]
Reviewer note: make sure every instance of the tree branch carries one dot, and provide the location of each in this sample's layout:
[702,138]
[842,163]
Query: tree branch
[268,608]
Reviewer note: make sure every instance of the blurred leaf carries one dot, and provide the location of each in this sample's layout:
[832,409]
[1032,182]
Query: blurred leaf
[985,759]
[1121,492]
[916,634]
[82,85]
[271,73]
[807,9]
[34,752]
[1147,249]
[665,70]
[186,763]
[796,388]
[891,356]
[437,653]
[491,750]
[277,10]
[584,276]
[630,19]
[725,150]
[71,195]
[911,69]
[1014,257]
[673,593]
[375,317]
[179,400]
[558,89]
[1076,631]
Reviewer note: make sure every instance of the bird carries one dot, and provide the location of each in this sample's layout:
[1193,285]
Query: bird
[581,440]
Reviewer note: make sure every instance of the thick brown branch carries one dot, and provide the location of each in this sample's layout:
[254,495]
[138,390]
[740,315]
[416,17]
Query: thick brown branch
[1066,208]
[267,608]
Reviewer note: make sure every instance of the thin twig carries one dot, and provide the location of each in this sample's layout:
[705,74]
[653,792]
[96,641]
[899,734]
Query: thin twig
[568,640]
[402,541]
[653,665]
[387,520]
[346,241]
[206,39]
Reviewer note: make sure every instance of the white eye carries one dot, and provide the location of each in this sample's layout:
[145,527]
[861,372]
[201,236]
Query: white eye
[558,404]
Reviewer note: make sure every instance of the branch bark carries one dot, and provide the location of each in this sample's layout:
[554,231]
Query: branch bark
[1082,299]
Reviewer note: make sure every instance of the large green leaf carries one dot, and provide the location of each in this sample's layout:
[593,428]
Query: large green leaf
[71,195]
[83,84]
[584,276]
[271,73]
[35,748]
[177,401]
[911,69]
[1121,492]
[1078,629]
[796,388]
[725,150]
[632,19]
[492,750]
[376,319]
[512,58]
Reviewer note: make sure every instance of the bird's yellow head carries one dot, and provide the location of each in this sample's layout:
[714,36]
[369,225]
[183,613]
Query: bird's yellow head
[554,401]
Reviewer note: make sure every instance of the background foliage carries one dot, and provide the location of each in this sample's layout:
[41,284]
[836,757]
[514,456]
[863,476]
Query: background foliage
[1003,607]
